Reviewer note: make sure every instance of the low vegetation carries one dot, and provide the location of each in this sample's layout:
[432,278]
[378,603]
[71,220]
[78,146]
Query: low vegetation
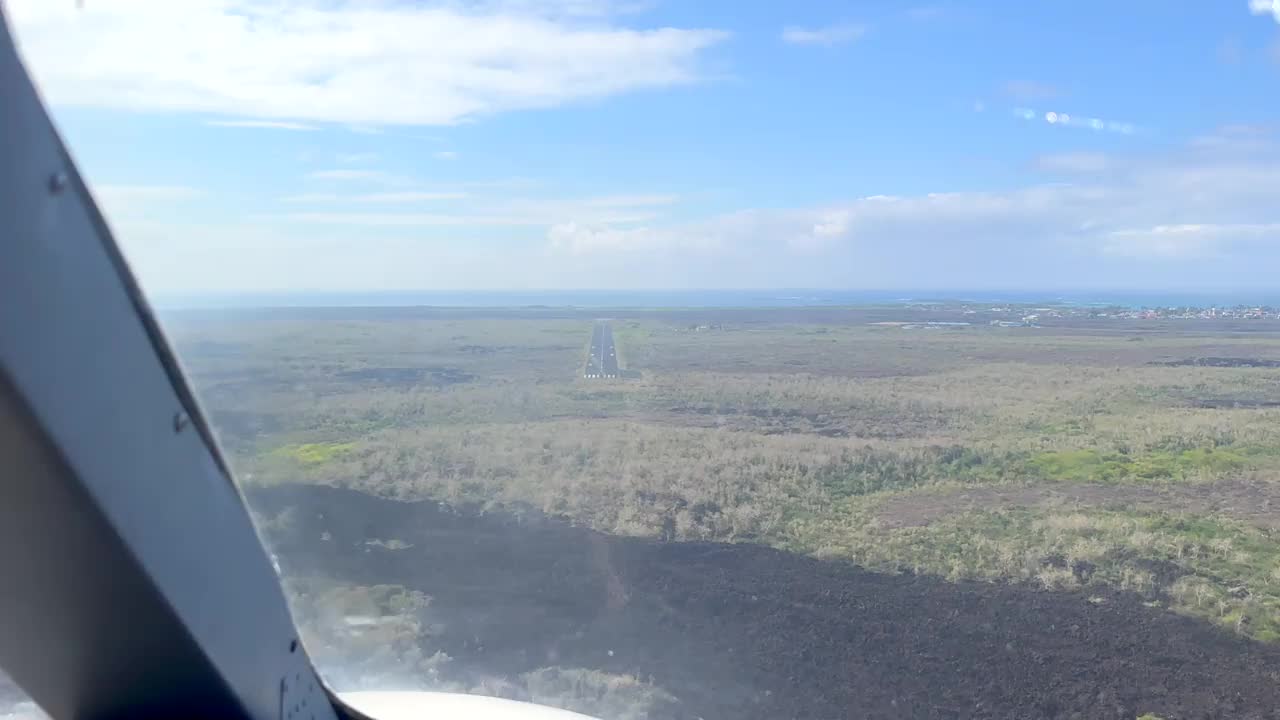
[1214,567]
[786,430]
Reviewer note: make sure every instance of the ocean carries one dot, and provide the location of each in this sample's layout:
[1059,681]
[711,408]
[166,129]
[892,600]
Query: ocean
[714,298]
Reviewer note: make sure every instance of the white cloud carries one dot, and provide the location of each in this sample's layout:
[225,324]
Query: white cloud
[576,238]
[1187,241]
[1265,7]
[832,224]
[358,63]
[269,124]
[564,8]
[1205,217]
[1206,214]
[826,36]
[726,235]
[446,155]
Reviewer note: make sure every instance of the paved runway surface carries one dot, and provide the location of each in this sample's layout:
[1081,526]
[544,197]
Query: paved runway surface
[603,361]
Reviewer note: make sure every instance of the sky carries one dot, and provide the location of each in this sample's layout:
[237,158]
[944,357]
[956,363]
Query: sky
[343,145]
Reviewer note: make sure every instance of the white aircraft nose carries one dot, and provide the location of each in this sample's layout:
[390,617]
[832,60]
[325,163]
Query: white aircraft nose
[382,705]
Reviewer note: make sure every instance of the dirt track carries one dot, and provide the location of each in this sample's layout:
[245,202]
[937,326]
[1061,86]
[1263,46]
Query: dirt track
[738,631]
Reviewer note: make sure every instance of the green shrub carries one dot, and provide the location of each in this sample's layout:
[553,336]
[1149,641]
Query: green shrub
[313,453]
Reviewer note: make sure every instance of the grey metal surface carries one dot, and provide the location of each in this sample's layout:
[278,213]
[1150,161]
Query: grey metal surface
[134,582]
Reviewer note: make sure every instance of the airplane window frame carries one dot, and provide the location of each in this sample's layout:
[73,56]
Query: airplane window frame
[137,584]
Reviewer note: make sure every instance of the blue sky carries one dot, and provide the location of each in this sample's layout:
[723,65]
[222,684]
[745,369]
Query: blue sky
[246,145]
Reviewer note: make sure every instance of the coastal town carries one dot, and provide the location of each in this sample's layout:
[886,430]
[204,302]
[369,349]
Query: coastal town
[1212,312]
[960,314]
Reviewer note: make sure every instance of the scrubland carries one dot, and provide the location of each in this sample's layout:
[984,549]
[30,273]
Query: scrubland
[1068,458]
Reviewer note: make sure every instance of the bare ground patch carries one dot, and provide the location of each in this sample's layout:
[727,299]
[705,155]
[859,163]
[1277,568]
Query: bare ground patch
[747,632]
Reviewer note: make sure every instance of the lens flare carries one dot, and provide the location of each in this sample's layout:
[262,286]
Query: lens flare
[1062,119]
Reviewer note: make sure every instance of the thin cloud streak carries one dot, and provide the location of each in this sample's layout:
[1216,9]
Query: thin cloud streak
[343,174]
[404,219]
[409,197]
[829,36]
[624,201]
[267,124]
[388,198]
